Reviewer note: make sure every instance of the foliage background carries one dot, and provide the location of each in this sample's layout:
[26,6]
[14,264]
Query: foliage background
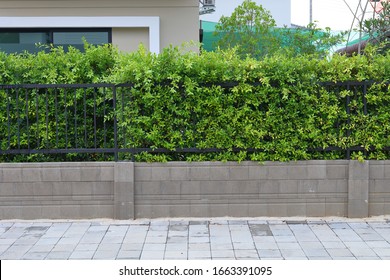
[180,99]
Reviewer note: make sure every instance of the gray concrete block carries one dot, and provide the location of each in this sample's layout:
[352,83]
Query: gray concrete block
[238,173]
[107,173]
[178,173]
[336,172]
[358,189]
[244,187]
[182,210]
[90,174]
[278,172]
[82,188]
[70,174]
[31,175]
[376,209]
[170,188]
[160,173]
[358,170]
[277,210]
[336,209]
[317,209]
[124,192]
[316,171]
[219,173]
[51,174]
[380,186]
[258,210]
[42,189]
[218,210]
[124,172]
[238,210]
[387,169]
[190,188]
[258,172]
[62,189]
[51,212]
[269,186]
[103,188]
[31,212]
[297,209]
[199,173]
[377,171]
[308,186]
[10,189]
[299,172]
[357,208]
[11,175]
[142,173]
[70,212]
[288,187]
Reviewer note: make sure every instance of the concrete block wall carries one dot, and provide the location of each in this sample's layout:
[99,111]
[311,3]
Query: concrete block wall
[56,190]
[126,190]
[248,189]
[379,188]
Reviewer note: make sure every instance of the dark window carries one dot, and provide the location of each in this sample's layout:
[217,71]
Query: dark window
[20,40]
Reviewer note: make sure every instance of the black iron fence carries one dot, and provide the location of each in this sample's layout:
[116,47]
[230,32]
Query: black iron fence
[87,121]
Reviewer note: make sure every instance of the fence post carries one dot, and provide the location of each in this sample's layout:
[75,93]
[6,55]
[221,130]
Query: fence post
[115,124]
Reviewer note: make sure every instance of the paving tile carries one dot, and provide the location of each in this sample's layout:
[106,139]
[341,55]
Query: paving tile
[132,246]
[269,253]
[175,255]
[316,253]
[105,255]
[109,247]
[289,245]
[244,246]
[129,255]
[221,246]
[382,252]
[333,245]
[82,255]
[222,254]
[378,244]
[34,256]
[154,247]
[285,238]
[87,247]
[362,252]
[199,246]
[152,255]
[59,255]
[246,254]
[199,255]
[41,248]
[339,252]
[266,245]
[292,253]
[198,239]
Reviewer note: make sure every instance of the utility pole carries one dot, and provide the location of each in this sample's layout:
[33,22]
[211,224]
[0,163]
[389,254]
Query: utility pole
[311,11]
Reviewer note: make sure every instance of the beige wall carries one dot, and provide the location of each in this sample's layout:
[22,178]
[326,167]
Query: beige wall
[179,19]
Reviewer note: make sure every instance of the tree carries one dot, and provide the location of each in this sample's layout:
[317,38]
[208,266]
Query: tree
[378,28]
[248,29]
[252,31]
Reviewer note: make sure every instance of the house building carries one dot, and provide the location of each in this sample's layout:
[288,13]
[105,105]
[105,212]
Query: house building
[124,23]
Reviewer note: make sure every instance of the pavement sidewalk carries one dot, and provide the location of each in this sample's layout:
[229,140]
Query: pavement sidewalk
[198,239]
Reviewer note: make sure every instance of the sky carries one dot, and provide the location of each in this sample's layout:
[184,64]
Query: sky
[329,13]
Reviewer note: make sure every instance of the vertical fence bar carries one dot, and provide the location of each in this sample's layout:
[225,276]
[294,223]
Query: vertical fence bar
[85,119]
[18,117]
[66,118]
[8,119]
[348,101]
[365,109]
[37,116]
[56,115]
[47,117]
[75,117]
[94,119]
[27,120]
[116,154]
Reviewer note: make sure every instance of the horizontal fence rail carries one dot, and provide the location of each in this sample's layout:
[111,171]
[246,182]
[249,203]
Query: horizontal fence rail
[90,121]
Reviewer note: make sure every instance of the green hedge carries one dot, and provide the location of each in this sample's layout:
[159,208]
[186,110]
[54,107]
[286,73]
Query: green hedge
[182,99]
